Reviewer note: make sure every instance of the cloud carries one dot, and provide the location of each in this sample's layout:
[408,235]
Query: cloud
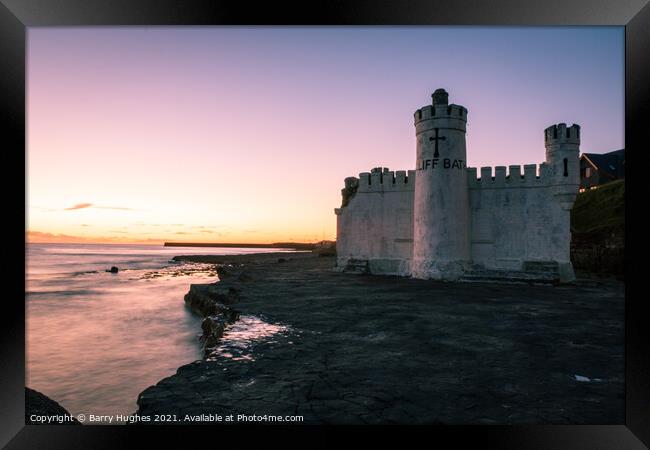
[39,236]
[79,206]
[120,208]
[44,237]
[91,205]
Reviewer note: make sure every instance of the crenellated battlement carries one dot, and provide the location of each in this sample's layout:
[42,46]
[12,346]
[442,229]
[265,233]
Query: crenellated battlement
[381,179]
[561,134]
[533,175]
[430,112]
[440,114]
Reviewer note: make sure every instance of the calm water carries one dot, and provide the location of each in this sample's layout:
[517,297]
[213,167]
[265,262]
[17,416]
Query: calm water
[95,340]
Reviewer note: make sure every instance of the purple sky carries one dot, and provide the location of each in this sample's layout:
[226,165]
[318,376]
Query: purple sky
[231,133]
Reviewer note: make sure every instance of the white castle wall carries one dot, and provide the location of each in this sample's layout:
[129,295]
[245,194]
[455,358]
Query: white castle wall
[377,223]
[515,217]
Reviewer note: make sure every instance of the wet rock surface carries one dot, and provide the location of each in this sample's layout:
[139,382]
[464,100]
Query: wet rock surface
[361,349]
[211,299]
[213,328]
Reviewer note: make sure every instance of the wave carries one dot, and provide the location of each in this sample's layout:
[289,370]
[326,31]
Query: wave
[84,272]
[65,293]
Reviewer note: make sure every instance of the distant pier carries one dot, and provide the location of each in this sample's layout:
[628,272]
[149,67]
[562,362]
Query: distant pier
[291,245]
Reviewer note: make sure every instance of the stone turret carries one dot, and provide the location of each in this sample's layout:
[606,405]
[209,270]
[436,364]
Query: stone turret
[563,156]
[441,242]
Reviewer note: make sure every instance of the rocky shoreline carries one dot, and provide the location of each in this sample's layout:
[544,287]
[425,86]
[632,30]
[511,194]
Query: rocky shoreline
[41,409]
[368,349]
[215,302]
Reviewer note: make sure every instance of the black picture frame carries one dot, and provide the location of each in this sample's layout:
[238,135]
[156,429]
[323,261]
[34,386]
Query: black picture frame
[17,15]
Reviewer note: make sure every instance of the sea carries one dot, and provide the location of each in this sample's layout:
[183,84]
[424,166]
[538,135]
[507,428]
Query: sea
[94,339]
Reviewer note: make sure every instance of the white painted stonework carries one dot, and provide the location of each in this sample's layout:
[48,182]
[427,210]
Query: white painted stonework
[447,221]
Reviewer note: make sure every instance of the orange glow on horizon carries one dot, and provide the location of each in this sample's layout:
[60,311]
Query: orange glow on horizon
[38,237]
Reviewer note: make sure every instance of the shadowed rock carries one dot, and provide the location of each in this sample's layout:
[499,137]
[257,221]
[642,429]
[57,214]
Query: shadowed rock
[37,404]
[211,299]
[232,273]
[213,328]
[380,350]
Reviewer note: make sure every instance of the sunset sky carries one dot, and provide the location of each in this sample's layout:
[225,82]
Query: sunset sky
[232,134]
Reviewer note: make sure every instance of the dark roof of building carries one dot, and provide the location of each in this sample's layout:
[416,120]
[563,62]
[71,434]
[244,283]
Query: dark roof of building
[612,163]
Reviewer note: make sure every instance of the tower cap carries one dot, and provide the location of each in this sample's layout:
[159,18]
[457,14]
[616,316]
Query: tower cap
[440,97]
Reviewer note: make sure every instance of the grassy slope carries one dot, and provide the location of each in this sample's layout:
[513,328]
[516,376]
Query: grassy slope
[600,213]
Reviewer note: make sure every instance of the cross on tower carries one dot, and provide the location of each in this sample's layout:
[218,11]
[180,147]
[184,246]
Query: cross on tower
[436,139]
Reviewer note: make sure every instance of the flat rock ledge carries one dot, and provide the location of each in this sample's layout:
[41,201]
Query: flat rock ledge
[214,303]
[382,350]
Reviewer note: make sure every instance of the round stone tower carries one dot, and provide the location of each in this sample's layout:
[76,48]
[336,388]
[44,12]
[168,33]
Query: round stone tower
[441,240]
[563,156]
